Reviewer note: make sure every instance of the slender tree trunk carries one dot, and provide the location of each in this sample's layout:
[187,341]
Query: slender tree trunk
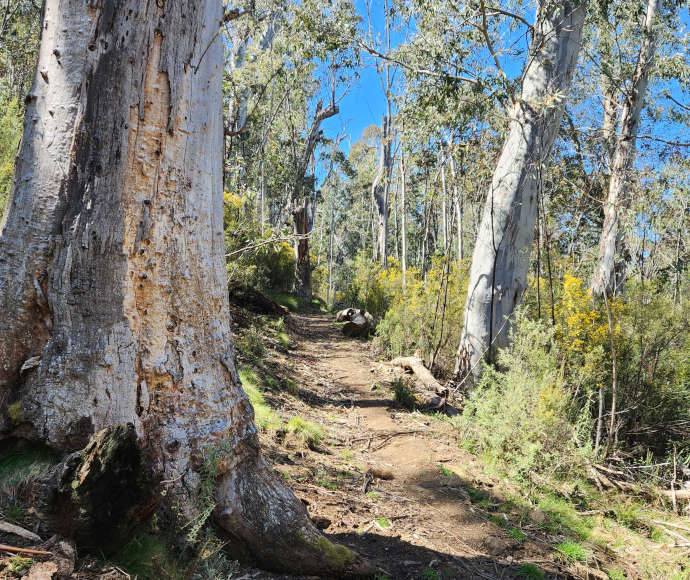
[502,252]
[329,299]
[444,213]
[603,279]
[112,266]
[302,206]
[609,89]
[381,190]
[396,230]
[427,219]
[302,227]
[458,202]
[403,220]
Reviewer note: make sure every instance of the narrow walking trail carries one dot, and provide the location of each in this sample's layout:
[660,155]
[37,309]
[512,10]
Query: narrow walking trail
[393,485]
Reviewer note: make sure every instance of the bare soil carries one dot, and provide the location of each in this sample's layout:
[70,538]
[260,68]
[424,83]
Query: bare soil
[393,485]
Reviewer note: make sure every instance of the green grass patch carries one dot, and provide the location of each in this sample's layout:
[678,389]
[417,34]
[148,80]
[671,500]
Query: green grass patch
[283,339]
[264,417]
[477,496]
[629,514]
[383,522]
[251,343]
[430,574]
[531,572]
[445,471]
[19,564]
[290,386]
[561,517]
[517,535]
[403,394]
[307,433]
[23,464]
[573,552]
[148,556]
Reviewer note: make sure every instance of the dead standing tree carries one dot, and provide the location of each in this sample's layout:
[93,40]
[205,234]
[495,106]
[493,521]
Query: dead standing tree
[302,205]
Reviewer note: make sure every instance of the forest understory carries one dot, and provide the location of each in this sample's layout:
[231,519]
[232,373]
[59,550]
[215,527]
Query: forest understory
[398,486]
[453,239]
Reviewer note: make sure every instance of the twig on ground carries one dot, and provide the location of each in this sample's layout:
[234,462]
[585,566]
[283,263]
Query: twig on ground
[14,549]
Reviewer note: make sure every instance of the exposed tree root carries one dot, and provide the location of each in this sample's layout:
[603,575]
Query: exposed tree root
[258,511]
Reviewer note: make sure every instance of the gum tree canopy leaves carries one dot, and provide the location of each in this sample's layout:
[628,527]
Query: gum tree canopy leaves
[112,276]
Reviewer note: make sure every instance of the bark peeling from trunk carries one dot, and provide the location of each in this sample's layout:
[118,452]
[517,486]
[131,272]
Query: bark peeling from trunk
[498,276]
[112,266]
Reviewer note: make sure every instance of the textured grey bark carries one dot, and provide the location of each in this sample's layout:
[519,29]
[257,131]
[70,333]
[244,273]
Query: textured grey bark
[380,191]
[303,207]
[502,252]
[603,278]
[112,265]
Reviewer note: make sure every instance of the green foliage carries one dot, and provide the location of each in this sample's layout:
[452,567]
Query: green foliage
[517,535]
[307,433]
[445,471]
[371,287]
[430,574]
[562,517]
[530,398]
[251,260]
[11,118]
[20,467]
[573,552]
[19,564]
[149,556]
[427,318]
[403,393]
[530,571]
[251,343]
[264,417]
[383,522]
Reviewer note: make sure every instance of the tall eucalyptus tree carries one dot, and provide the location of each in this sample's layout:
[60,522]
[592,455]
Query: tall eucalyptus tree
[112,274]
[500,261]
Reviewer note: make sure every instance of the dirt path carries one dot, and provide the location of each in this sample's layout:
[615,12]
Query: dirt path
[424,513]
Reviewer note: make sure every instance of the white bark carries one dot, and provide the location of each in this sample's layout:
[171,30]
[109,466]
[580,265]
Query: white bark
[403,221]
[458,202]
[444,213]
[112,265]
[501,256]
[603,279]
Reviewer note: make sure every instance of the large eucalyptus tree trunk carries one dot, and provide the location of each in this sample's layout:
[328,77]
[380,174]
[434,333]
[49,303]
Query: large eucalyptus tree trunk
[112,266]
[502,252]
[603,278]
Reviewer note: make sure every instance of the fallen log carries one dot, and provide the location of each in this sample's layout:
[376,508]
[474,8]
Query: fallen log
[9,528]
[345,315]
[360,325]
[254,300]
[432,395]
[416,367]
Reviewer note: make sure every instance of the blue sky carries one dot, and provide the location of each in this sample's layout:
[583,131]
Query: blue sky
[364,103]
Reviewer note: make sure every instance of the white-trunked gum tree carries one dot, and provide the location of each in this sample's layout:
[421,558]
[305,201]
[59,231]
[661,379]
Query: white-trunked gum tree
[113,288]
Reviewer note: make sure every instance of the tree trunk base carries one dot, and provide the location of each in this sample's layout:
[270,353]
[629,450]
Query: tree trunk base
[269,524]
